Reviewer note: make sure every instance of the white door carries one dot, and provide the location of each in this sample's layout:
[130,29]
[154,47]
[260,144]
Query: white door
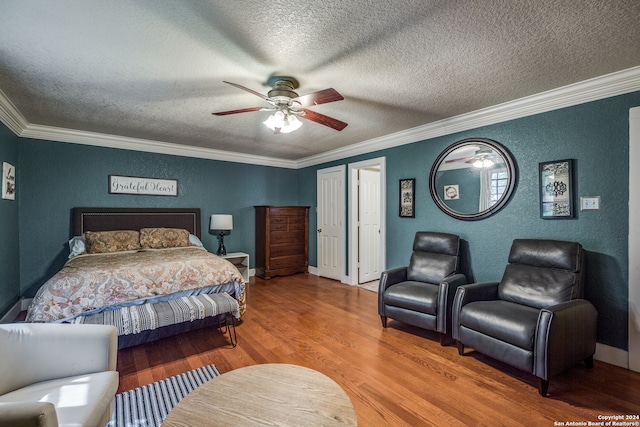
[331,212]
[634,240]
[379,164]
[369,225]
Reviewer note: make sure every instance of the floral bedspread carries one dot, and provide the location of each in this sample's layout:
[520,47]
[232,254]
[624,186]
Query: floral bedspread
[88,283]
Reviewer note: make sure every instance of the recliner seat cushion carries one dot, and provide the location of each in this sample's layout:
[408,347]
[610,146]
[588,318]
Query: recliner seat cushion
[416,296]
[503,320]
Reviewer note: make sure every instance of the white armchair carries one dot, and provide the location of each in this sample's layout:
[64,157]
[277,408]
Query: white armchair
[57,374]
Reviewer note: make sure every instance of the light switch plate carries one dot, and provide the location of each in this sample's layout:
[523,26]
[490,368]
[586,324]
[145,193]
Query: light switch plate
[589,203]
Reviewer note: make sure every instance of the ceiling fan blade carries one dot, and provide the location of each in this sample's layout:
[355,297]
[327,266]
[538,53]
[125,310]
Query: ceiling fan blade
[320,97]
[265,97]
[244,110]
[323,120]
[461,159]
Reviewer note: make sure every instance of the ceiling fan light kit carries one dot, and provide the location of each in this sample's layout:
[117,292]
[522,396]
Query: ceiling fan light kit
[483,163]
[281,122]
[288,106]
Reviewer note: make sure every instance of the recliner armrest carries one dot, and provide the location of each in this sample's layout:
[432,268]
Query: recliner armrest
[448,288]
[465,294]
[28,414]
[389,278]
[455,280]
[486,291]
[566,333]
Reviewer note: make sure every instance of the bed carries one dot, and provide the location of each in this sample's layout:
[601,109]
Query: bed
[135,262]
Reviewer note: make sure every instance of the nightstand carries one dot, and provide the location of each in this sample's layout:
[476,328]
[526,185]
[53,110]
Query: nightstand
[241,261]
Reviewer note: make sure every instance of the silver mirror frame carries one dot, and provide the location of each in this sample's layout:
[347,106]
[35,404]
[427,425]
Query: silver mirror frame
[506,196]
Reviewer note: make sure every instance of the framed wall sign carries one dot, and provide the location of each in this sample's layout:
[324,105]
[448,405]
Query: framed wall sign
[556,189]
[8,181]
[407,198]
[143,186]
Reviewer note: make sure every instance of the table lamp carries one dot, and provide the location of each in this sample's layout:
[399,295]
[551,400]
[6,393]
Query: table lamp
[221,225]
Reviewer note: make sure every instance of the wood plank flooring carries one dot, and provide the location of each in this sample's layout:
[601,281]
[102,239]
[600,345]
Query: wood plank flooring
[399,376]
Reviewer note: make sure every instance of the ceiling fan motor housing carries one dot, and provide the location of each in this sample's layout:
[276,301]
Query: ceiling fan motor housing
[283,87]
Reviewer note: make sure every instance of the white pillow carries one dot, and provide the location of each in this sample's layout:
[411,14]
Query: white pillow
[76,246]
[195,241]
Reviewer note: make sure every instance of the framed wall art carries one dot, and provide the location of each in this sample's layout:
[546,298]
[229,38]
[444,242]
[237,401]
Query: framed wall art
[8,181]
[407,198]
[143,186]
[451,192]
[556,189]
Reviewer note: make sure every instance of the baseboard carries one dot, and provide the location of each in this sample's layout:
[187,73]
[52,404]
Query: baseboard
[314,270]
[612,355]
[11,314]
[14,311]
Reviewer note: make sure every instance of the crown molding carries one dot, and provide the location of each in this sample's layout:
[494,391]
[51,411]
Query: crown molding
[10,116]
[606,86]
[137,144]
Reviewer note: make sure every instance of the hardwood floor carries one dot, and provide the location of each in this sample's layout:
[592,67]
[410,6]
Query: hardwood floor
[399,376]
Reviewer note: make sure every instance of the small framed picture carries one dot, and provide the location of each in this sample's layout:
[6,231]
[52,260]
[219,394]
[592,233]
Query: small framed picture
[556,189]
[407,198]
[8,181]
[451,192]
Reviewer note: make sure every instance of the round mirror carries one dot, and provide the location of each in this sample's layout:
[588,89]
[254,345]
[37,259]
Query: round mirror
[472,179]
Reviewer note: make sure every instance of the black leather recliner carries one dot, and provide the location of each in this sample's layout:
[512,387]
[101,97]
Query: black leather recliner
[421,293]
[533,319]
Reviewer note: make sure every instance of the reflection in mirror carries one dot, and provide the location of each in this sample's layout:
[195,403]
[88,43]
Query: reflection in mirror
[472,178]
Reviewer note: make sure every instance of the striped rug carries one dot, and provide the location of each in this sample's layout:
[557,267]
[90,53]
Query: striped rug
[147,406]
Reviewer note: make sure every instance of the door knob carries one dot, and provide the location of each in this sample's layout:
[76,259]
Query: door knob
[319,230]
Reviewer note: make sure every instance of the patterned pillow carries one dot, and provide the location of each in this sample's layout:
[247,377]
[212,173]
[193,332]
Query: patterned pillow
[99,242]
[158,238]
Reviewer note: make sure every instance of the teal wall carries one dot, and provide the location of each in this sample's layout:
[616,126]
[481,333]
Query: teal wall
[595,134]
[55,177]
[10,248]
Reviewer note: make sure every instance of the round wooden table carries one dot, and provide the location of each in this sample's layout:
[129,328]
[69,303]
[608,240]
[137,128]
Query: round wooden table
[274,394]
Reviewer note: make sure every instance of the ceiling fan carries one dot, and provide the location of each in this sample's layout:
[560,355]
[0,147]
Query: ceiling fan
[482,158]
[287,106]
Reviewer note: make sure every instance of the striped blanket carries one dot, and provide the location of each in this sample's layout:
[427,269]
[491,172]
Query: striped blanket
[145,317]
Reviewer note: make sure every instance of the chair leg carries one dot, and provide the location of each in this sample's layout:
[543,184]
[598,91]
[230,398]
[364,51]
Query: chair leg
[543,387]
[589,362]
[460,348]
[384,321]
[445,339]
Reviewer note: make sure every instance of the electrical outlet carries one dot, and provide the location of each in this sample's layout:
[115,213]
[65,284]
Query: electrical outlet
[589,203]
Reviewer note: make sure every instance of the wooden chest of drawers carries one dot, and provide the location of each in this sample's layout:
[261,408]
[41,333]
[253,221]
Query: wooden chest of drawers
[282,240]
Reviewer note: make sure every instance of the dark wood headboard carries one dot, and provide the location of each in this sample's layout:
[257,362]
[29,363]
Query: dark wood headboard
[105,219]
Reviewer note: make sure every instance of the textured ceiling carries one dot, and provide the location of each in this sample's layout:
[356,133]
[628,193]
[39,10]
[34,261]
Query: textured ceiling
[154,69]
